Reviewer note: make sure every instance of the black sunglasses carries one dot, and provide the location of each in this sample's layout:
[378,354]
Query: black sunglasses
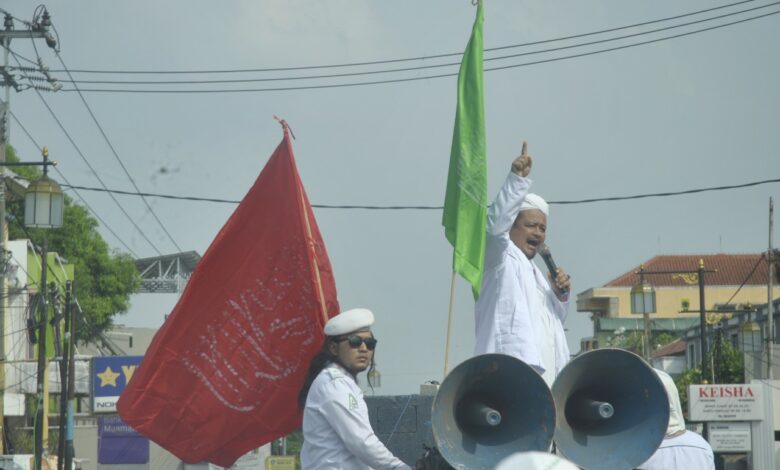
[355,341]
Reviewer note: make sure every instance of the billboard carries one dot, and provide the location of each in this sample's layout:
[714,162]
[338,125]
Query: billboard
[725,402]
[110,376]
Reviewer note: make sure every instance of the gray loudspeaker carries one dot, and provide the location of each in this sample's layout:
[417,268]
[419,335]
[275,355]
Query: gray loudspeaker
[489,407]
[612,408]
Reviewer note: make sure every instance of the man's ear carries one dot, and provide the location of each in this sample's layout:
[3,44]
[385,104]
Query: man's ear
[333,347]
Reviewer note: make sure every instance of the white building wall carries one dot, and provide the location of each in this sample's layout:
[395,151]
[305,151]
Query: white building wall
[766,452]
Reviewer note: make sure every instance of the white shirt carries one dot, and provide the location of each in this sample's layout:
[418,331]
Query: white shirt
[515,296]
[688,451]
[337,434]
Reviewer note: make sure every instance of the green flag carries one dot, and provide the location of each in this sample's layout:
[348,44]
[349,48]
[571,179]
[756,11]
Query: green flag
[465,204]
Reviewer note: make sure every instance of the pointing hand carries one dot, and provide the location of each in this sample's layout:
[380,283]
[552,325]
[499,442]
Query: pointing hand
[522,164]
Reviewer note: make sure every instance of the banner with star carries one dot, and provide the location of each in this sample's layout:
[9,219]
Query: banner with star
[222,375]
[110,376]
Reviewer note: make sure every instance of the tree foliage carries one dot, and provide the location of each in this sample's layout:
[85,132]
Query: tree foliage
[634,340]
[104,278]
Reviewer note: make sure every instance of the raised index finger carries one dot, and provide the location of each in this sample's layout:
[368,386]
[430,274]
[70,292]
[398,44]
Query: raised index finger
[524,152]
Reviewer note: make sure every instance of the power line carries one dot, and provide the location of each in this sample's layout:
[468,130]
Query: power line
[761,257]
[408,59]
[674,193]
[407,69]
[19,56]
[421,207]
[83,201]
[9,333]
[427,77]
[84,158]
[33,282]
[116,155]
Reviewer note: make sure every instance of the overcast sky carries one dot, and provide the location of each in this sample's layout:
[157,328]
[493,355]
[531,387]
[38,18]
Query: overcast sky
[691,112]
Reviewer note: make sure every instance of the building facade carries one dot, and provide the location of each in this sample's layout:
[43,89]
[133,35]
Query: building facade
[730,280]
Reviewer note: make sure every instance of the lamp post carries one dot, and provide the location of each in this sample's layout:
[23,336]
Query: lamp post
[643,301]
[43,208]
[749,334]
[374,378]
[702,309]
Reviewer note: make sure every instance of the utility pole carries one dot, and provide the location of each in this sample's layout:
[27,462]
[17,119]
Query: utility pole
[41,410]
[71,312]
[702,321]
[4,134]
[770,325]
[646,319]
[64,382]
[35,30]
[705,369]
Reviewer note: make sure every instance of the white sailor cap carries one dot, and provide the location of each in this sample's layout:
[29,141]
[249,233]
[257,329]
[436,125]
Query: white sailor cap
[349,321]
[535,461]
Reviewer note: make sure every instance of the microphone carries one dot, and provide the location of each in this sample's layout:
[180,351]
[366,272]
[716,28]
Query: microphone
[544,252]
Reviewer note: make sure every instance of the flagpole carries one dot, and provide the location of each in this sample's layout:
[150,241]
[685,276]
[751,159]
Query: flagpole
[315,267]
[465,202]
[309,237]
[449,326]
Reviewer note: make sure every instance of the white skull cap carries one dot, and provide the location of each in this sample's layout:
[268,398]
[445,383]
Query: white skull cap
[535,201]
[535,461]
[349,321]
[676,419]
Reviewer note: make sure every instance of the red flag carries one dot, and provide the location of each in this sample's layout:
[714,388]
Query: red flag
[223,373]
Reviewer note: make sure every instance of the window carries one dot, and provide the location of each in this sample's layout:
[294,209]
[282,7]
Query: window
[691,356]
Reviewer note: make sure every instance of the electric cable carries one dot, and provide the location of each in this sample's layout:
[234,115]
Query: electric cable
[19,56]
[417,78]
[75,191]
[409,59]
[406,69]
[94,172]
[421,207]
[119,160]
[760,258]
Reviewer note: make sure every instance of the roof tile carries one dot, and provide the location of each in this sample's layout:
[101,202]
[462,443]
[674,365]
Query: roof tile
[732,270]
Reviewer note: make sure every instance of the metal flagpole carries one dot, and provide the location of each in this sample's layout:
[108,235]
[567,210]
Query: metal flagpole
[449,327]
[769,294]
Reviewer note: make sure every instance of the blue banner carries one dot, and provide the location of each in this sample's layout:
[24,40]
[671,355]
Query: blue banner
[113,426]
[118,443]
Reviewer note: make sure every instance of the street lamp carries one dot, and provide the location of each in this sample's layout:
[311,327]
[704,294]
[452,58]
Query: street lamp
[643,298]
[643,301]
[749,333]
[374,378]
[43,208]
[750,337]
[702,310]
[43,202]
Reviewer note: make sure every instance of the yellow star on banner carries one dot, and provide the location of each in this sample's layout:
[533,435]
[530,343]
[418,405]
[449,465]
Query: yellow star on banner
[108,377]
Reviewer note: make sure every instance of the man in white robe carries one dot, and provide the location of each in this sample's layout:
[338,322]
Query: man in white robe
[681,449]
[519,312]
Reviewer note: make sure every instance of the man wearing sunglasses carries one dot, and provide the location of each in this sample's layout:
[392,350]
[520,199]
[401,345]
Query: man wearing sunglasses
[520,312]
[337,434]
